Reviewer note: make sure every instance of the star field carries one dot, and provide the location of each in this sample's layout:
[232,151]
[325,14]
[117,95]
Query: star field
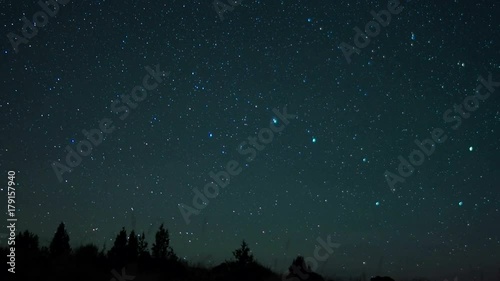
[323,174]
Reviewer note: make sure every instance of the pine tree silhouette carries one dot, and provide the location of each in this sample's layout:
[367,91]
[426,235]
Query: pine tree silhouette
[132,247]
[27,241]
[243,255]
[142,248]
[118,253]
[27,250]
[60,243]
[161,249]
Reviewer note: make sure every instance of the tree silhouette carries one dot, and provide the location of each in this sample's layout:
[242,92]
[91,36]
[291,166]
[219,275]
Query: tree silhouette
[300,271]
[118,253]
[132,247]
[60,243]
[27,248]
[298,264]
[142,248]
[87,254]
[243,255]
[161,249]
[130,258]
[27,241]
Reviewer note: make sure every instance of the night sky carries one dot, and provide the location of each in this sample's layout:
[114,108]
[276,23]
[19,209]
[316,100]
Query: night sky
[222,79]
